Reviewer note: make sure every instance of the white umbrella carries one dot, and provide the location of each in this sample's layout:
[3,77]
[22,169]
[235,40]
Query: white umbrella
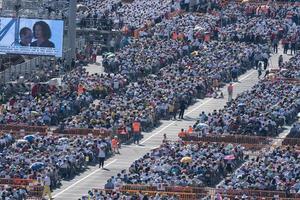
[202,126]
[63,139]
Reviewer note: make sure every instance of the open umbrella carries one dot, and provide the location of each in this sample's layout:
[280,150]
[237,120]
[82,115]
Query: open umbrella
[186,159]
[201,126]
[29,138]
[229,157]
[63,139]
[22,141]
[37,166]
[34,113]
[241,104]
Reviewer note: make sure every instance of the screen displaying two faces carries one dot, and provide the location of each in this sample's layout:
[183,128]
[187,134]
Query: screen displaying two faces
[31,36]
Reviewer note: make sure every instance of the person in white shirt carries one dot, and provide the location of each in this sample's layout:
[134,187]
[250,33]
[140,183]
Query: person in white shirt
[47,183]
[101,156]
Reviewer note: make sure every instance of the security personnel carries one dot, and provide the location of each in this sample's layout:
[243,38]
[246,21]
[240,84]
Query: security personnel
[136,129]
[182,134]
[190,130]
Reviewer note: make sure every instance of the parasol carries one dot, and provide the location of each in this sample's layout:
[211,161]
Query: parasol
[229,157]
[37,166]
[186,159]
[29,138]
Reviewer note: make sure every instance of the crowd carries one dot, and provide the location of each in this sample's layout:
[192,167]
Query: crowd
[33,156]
[291,69]
[98,194]
[156,77]
[270,26]
[50,105]
[178,164]
[295,131]
[118,14]
[155,48]
[263,110]
[51,157]
[277,170]
[99,14]
[171,90]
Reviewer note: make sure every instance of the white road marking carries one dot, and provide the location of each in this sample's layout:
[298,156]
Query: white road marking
[191,111]
[64,190]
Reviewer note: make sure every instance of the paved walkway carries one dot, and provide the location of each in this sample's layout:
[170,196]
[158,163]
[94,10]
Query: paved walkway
[95,68]
[96,178]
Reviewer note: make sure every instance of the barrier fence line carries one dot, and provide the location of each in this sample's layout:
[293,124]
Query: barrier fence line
[251,141]
[25,128]
[34,190]
[198,192]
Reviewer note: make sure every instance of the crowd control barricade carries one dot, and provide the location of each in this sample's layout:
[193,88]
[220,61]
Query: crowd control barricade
[34,191]
[15,182]
[25,128]
[289,80]
[85,132]
[250,142]
[291,142]
[180,195]
[260,194]
[185,193]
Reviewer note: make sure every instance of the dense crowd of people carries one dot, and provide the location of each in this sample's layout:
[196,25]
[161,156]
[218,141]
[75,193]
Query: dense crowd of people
[179,165]
[119,14]
[50,105]
[291,69]
[32,156]
[263,27]
[157,75]
[276,170]
[263,110]
[182,81]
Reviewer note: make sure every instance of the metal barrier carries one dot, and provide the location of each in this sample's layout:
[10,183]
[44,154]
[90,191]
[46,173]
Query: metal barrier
[289,80]
[25,128]
[180,195]
[291,142]
[200,192]
[16,182]
[236,139]
[254,193]
[85,131]
[249,142]
[34,191]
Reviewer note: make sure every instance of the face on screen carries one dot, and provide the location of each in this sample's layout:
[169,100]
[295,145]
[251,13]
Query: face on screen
[39,32]
[26,37]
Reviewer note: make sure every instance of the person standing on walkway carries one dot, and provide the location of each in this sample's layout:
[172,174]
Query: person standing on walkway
[101,155]
[275,44]
[230,92]
[47,183]
[293,44]
[136,129]
[115,145]
[259,70]
[285,44]
[280,61]
[182,107]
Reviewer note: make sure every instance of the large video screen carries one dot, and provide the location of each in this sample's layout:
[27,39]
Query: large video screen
[31,36]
